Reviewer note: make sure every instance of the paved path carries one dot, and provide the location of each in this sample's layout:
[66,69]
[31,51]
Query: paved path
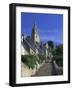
[45,70]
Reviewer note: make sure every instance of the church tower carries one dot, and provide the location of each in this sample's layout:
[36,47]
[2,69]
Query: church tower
[35,35]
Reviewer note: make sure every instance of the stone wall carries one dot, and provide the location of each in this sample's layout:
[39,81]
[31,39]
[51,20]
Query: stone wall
[25,71]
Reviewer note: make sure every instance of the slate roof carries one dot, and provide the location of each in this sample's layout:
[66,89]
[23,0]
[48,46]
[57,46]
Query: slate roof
[28,43]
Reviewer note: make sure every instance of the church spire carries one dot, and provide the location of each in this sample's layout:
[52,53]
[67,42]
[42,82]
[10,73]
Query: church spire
[35,26]
[35,35]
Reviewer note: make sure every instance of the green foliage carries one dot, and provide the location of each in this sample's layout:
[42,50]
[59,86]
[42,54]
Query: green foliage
[59,60]
[51,44]
[41,58]
[29,60]
[58,55]
[59,50]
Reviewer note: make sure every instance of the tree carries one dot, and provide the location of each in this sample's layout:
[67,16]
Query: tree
[58,55]
[50,44]
[59,50]
[40,44]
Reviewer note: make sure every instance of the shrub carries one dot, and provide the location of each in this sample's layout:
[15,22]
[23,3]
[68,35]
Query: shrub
[59,60]
[41,58]
[58,55]
[29,60]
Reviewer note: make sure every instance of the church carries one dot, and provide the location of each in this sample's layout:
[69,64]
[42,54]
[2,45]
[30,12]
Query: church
[32,44]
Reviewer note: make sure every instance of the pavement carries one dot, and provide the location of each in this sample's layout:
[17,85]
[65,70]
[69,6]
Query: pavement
[45,70]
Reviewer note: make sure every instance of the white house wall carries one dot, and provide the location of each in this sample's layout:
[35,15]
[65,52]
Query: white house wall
[23,51]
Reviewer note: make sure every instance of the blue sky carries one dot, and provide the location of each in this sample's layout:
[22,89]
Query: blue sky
[49,26]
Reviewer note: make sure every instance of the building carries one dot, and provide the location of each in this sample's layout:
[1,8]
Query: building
[32,44]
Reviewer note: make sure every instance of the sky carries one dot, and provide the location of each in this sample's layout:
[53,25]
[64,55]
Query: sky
[49,26]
